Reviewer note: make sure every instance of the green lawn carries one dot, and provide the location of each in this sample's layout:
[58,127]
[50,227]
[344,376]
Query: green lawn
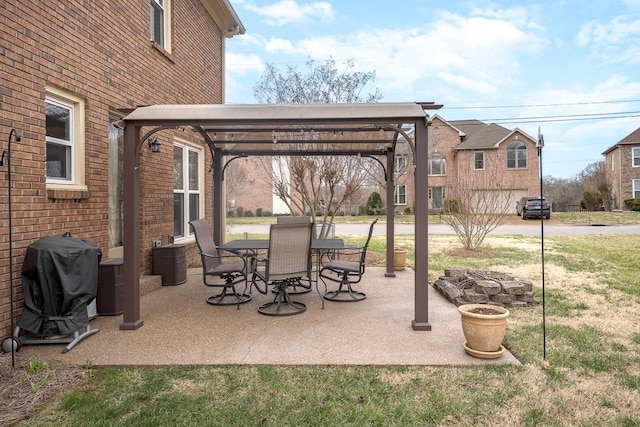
[593,351]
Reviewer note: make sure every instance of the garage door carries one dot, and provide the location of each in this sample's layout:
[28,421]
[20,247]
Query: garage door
[497,201]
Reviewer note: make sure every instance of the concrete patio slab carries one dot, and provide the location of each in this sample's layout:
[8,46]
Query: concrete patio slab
[180,328]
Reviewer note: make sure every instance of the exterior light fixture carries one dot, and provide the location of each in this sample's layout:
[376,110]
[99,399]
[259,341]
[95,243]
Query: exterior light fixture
[154,144]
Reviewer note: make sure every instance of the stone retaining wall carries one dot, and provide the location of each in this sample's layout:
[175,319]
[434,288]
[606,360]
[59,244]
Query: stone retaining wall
[466,286]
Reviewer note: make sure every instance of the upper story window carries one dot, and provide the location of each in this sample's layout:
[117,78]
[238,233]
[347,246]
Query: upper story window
[478,160]
[400,165]
[516,155]
[64,138]
[160,21]
[437,165]
[187,185]
[635,154]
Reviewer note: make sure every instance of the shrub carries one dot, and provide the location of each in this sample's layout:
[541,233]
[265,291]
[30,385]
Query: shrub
[248,213]
[633,204]
[374,204]
[451,205]
[258,211]
[407,210]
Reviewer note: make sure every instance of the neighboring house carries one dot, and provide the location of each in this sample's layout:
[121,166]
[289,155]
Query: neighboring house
[622,165]
[487,158]
[70,70]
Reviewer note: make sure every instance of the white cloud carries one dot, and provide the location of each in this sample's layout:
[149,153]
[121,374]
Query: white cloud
[616,41]
[287,11]
[240,63]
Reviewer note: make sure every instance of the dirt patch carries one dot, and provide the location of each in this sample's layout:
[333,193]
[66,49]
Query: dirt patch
[32,384]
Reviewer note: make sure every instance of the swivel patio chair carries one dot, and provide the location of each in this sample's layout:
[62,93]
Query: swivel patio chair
[296,288]
[346,272]
[230,267]
[288,263]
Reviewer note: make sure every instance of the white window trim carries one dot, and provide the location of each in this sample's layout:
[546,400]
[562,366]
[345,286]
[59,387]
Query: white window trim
[396,169]
[523,149]
[166,8]
[474,160]
[189,146]
[443,168]
[76,104]
[396,195]
[635,150]
[635,184]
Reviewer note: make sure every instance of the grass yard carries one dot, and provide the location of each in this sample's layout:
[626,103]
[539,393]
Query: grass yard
[592,297]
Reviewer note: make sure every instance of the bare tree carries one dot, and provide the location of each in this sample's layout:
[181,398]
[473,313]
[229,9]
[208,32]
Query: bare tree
[316,185]
[475,204]
[594,178]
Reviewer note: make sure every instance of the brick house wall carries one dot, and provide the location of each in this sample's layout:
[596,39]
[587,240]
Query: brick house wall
[620,171]
[621,174]
[103,56]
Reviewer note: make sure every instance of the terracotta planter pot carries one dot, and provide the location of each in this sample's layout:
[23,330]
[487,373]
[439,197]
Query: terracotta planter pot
[399,259]
[484,332]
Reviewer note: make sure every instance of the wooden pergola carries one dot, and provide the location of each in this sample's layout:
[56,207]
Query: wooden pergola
[371,130]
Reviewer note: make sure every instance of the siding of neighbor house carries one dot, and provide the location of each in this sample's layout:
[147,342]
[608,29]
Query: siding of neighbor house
[102,55]
[620,170]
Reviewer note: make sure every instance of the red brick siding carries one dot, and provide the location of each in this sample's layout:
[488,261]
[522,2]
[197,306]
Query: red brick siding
[103,55]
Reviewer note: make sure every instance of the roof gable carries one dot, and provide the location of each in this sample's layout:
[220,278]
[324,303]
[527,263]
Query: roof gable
[631,139]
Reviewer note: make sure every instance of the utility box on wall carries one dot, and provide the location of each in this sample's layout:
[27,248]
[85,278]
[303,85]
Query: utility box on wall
[109,299]
[170,261]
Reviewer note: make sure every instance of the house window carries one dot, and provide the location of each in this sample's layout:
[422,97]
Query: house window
[400,195]
[635,153]
[516,155]
[400,165]
[160,23]
[436,165]
[636,188]
[478,158]
[187,176]
[64,138]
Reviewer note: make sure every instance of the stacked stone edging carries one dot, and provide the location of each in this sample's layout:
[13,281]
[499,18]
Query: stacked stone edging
[468,286]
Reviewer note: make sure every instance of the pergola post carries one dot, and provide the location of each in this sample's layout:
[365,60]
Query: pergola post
[131,229]
[421,299]
[219,211]
[390,212]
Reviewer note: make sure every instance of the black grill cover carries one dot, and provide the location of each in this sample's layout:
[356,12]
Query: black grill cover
[59,279]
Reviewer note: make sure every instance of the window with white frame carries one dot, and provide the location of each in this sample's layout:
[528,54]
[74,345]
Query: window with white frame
[437,165]
[400,195]
[400,164]
[516,155]
[636,188]
[160,23]
[635,154]
[187,185]
[478,160]
[64,138]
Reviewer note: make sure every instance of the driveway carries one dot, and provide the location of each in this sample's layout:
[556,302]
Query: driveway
[517,226]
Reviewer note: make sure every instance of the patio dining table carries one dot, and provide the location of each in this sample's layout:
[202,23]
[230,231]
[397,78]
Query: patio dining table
[320,246]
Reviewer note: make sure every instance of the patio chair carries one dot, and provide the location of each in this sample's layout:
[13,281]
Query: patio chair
[346,272]
[230,267]
[299,287]
[288,263]
[293,220]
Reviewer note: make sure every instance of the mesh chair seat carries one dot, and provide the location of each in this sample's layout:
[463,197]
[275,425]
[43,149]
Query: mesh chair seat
[227,266]
[346,274]
[288,263]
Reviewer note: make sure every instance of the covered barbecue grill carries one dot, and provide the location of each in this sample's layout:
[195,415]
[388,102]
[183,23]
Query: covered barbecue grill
[59,280]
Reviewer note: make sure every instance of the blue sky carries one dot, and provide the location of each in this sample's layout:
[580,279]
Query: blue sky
[568,68]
